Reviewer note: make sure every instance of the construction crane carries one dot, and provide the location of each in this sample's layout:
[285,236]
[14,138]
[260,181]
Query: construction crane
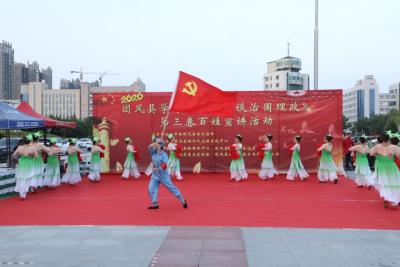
[81,72]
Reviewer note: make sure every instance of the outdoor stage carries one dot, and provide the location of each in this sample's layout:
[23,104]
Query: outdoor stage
[213,201]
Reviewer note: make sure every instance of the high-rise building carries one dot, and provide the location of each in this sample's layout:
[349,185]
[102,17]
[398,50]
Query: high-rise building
[33,72]
[24,74]
[7,71]
[20,77]
[362,100]
[284,74]
[70,84]
[47,77]
[387,102]
[395,90]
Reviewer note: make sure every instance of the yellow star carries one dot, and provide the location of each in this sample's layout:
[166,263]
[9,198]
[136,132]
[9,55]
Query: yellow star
[104,99]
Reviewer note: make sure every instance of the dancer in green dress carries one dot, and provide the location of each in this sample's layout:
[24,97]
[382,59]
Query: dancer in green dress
[237,168]
[73,175]
[387,172]
[267,166]
[52,177]
[130,165]
[174,163]
[296,166]
[95,162]
[25,166]
[38,163]
[327,167]
[363,171]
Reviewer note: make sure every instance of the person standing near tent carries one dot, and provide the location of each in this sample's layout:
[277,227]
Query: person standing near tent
[52,173]
[267,166]
[296,166]
[130,165]
[387,172]
[327,167]
[73,174]
[160,174]
[174,163]
[363,172]
[38,166]
[25,167]
[95,162]
[347,143]
[237,168]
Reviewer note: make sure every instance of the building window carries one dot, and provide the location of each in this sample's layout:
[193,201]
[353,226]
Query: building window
[277,85]
[371,102]
[267,78]
[360,104]
[266,86]
[277,77]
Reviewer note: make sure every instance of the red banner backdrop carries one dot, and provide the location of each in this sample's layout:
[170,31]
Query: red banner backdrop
[206,139]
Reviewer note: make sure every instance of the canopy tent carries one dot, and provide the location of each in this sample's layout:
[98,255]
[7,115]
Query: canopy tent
[27,109]
[12,119]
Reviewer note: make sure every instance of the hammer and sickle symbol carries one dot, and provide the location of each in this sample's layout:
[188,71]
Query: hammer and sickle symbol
[190,89]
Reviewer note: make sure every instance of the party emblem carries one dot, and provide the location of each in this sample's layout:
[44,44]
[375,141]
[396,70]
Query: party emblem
[190,88]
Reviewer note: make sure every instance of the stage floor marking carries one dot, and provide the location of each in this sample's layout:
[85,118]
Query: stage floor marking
[202,246]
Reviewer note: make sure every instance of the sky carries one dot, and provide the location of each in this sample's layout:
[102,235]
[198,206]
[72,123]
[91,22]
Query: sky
[225,42]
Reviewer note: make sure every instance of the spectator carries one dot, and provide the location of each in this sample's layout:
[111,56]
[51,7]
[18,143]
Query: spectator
[347,143]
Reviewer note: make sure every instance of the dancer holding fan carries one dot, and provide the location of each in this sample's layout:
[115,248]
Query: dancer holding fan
[327,167]
[52,173]
[296,166]
[175,152]
[363,172]
[267,166]
[130,165]
[25,168]
[95,162]
[237,168]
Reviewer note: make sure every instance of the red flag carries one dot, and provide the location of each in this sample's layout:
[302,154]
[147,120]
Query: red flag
[195,96]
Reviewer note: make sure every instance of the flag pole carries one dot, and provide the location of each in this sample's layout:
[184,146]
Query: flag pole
[171,101]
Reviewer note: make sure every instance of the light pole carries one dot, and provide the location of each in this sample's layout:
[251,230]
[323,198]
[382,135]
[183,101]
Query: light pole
[316,47]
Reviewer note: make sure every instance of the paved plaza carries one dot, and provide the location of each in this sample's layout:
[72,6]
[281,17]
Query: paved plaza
[124,246]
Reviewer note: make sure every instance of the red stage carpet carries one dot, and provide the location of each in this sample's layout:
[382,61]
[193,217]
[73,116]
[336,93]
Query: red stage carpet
[213,201]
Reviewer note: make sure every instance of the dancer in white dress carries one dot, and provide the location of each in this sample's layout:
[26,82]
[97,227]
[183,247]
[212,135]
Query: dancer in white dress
[363,172]
[237,168]
[52,177]
[130,165]
[267,166]
[38,163]
[174,163]
[327,167]
[296,166]
[25,167]
[95,162]
[73,174]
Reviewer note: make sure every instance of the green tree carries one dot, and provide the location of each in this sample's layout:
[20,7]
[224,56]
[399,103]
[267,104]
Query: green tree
[378,123]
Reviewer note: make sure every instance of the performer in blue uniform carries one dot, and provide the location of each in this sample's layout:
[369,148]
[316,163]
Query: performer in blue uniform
[160,174]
